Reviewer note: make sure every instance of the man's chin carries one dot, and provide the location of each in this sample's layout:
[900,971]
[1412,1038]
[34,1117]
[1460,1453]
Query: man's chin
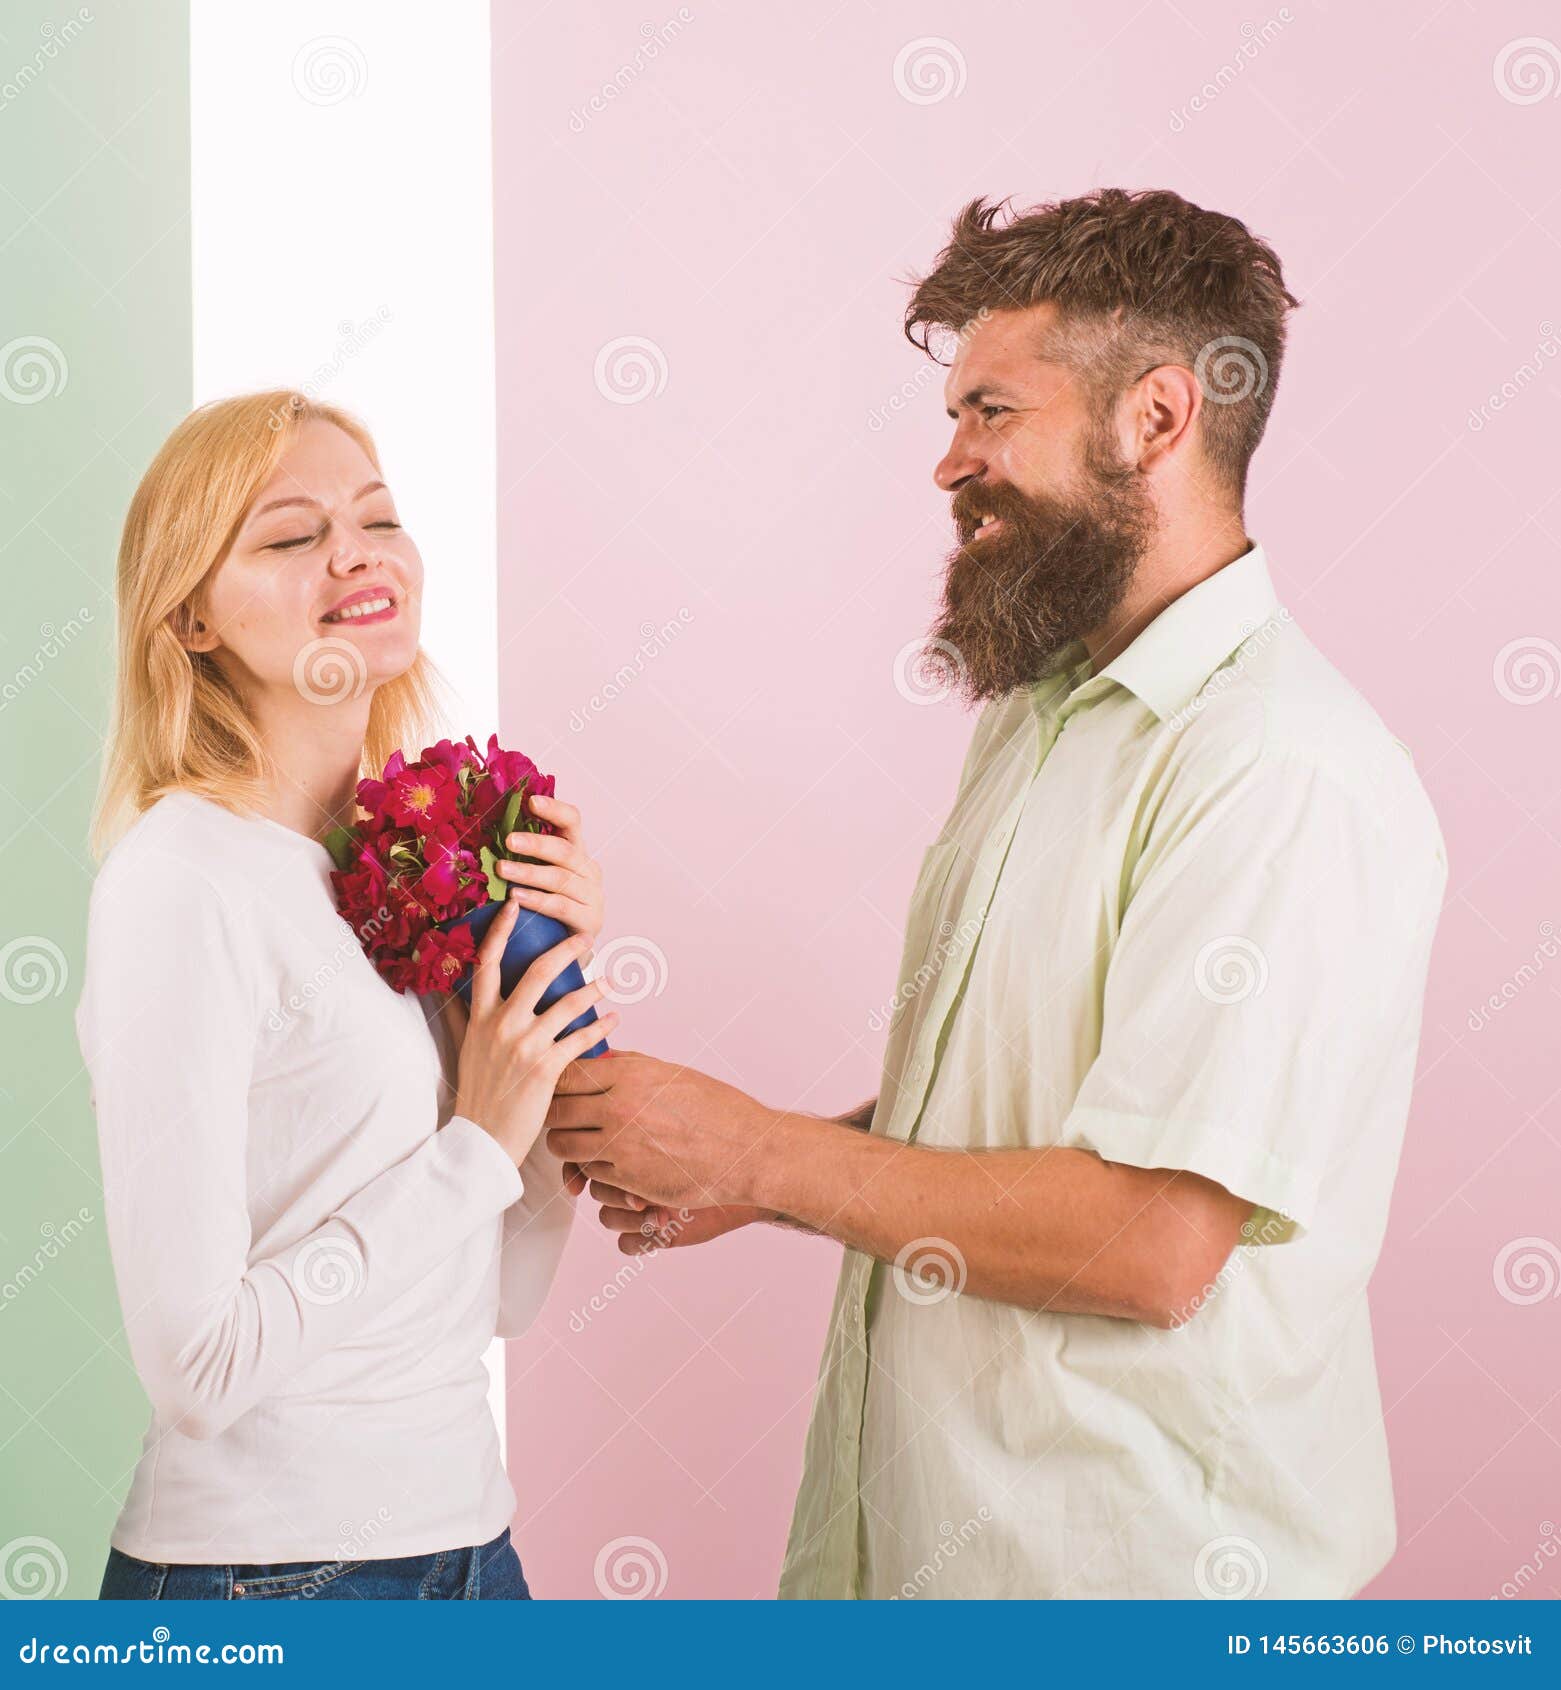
[999,651]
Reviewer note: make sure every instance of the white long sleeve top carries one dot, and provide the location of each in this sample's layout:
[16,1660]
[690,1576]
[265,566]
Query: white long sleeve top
[312,1253]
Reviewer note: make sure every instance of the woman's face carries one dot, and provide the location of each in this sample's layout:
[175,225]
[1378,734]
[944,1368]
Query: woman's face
[321,592]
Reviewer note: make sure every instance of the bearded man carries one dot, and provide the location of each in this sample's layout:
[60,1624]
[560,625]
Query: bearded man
[1101,1327]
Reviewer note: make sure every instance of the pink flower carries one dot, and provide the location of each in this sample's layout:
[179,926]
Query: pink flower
[442,958]
[508,769]
[452,758]
[449,864]
[422,796]
[372,794]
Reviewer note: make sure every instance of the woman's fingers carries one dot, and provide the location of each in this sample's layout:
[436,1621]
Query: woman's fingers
[580,1041]
[565,817]
[572,912]
[550,848]
[629,1220]
[544,970]
[559,879]
[567,890]
[614,1196]
[485,976]
[557,1016]
[545,877]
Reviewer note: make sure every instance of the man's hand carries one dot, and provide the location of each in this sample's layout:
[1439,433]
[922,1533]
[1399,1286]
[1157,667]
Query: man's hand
[669,1134]
[643,1226]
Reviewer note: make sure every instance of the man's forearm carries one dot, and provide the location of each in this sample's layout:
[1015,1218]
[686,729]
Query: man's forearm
[1055,1229]
[859,1120]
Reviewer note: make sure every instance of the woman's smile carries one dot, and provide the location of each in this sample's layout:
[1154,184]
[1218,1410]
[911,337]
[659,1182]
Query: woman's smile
[372,604]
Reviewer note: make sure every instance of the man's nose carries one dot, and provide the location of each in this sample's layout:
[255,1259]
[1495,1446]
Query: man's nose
[959,463]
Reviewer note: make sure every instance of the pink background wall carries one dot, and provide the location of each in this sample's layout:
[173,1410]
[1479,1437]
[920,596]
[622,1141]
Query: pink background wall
[760,790]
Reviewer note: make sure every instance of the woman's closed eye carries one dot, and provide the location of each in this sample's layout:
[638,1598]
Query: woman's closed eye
[308,539]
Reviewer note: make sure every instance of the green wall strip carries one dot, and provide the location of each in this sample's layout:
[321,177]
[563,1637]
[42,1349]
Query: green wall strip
[95,340]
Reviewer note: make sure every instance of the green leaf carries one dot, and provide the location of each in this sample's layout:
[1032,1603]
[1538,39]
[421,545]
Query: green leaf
[497,888]
[342,843]
[510,820]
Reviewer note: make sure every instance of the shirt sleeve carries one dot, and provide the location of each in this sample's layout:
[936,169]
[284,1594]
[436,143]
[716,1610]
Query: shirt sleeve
[536,1229]
[536,1225]
[1270,962]
[168,1021]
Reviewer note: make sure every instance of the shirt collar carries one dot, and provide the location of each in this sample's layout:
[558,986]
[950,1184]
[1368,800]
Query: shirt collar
[1170,660]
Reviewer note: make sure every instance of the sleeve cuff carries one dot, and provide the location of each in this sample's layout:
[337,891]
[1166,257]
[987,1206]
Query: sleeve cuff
[1245,1170]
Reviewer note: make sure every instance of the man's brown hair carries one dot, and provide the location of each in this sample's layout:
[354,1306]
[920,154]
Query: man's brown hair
[1138,279]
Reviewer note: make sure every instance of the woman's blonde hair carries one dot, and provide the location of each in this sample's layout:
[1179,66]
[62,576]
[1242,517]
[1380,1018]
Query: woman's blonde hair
[179,724]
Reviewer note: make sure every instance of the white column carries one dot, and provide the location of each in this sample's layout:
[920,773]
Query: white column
[342,243]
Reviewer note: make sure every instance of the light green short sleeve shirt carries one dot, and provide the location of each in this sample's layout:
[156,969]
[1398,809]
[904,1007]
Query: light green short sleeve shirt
[1180,916]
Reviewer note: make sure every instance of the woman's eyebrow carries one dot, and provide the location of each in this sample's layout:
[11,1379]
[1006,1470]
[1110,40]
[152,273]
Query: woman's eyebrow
[304,499]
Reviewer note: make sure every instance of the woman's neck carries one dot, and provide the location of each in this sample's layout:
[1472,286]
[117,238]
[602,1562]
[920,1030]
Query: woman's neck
[317,754]
[313,806]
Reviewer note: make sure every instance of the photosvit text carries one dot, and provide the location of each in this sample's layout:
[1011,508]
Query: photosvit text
[1365,1643]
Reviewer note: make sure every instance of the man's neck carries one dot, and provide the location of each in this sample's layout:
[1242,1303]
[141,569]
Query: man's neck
[1170,567]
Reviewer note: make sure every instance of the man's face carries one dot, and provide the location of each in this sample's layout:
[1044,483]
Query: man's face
[1069,519]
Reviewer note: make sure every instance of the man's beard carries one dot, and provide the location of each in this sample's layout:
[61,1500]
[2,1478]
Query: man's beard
[1058,568]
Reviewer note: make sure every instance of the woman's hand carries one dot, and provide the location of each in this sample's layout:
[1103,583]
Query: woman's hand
[642,1226]
[566,884]
[510,1061]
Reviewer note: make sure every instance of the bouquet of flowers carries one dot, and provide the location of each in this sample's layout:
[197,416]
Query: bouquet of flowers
[415,878]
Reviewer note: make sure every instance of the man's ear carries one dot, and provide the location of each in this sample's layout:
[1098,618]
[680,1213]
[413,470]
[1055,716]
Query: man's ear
[191,631]
[1168,403]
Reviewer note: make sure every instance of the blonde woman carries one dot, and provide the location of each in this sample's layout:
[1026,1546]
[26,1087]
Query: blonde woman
[323,1198]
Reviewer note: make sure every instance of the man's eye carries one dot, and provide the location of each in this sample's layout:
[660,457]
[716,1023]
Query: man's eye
[990,411]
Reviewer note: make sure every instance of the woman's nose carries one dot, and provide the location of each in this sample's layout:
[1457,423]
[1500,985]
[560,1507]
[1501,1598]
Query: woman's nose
[349,556]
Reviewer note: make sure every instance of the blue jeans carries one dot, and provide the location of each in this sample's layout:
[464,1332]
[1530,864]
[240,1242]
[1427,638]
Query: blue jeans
[489,1573]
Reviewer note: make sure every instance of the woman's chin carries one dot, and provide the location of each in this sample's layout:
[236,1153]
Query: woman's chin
[390,665]
[343,663]
[388,649]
